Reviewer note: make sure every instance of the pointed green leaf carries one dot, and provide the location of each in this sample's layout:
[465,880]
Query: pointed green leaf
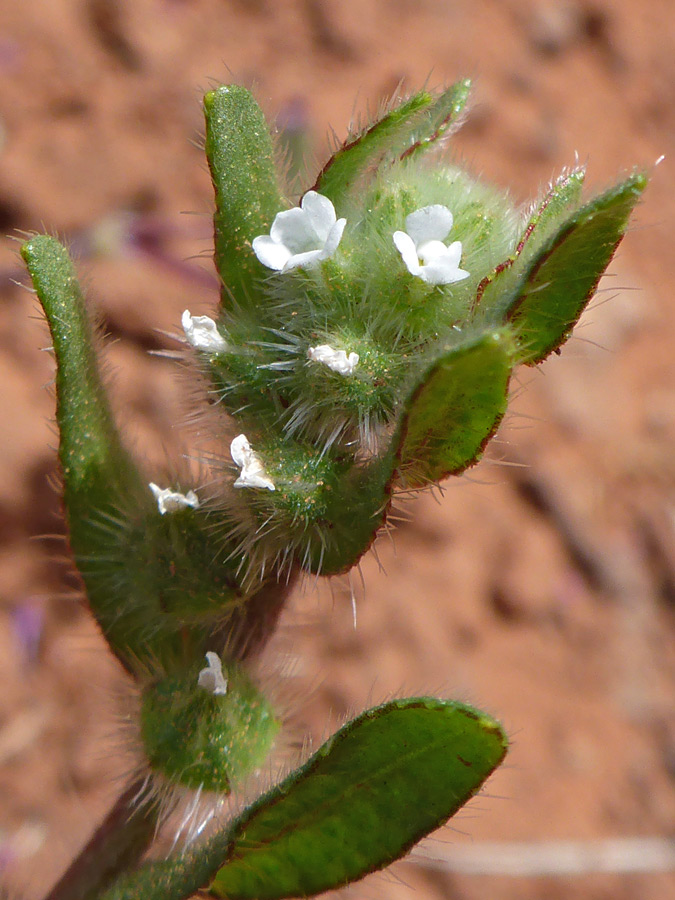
[455,408]
[241,159]
[97,471]
[441,118]
[418,122]
[564,275]
[359,152]
[383,782]
[561,199]
[91,453]
[152,581]
[558,203]
[377,787]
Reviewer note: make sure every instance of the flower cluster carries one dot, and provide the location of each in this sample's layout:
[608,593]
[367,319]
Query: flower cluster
[306,235]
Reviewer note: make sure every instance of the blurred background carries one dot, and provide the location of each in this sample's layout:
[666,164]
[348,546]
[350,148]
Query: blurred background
[540,586]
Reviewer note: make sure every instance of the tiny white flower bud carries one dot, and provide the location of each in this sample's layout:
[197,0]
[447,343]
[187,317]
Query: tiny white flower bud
[253,472]
[169,501]
[202,332]
[337,360]
[211,678]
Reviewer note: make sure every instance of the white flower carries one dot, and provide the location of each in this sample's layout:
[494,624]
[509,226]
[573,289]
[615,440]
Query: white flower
[253,473]
[337,360]
[202,332]
[423,250]
[169,501]
[211,678]
[302,236]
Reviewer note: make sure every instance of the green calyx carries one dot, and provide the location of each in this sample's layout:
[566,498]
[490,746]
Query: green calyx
[202,739]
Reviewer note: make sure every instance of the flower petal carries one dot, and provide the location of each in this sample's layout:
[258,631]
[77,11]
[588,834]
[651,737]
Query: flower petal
[240,450]
[270,252]
[454,252]
[211,678]
[320,212]
[254,476]
[337,360]
[169,501]
[431,223]
[431,251]
[303,260]
[293,228]
[333,239]
[253,472]
[442,271]
[406,247]
[202,333]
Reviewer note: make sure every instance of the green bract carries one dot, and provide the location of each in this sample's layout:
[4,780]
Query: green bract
[363,345]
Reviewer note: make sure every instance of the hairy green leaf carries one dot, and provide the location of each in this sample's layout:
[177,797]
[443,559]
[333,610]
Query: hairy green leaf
[241,159]
[380,784]
[90,449]
[564,274]
[558,203]
[154,582]
[359,152]
[455,408]
[442,116]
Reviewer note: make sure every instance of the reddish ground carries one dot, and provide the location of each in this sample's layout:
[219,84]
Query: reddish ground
[542,591]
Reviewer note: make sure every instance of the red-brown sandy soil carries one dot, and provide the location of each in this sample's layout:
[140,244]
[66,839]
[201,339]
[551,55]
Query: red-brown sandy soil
[540,587]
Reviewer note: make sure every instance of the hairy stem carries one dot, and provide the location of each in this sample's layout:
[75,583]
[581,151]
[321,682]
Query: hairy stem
[116,846]
[127,831]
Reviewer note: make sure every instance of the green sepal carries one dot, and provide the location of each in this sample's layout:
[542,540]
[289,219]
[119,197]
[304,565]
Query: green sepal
[564,275]
[241,159]
[442,116]
[204,740]
[379,785]
[455,408]
[365,149]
